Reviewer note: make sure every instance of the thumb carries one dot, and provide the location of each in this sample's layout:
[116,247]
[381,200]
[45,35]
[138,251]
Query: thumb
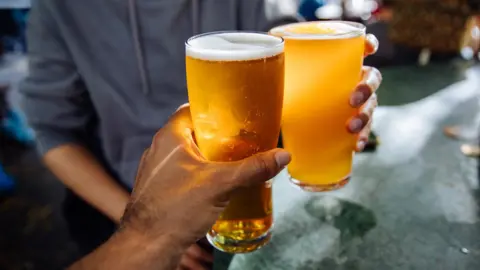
[258,168]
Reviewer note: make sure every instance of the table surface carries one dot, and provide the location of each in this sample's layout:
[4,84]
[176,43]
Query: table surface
[413,204]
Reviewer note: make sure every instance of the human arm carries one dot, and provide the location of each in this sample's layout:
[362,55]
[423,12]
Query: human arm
[175,185]
[128,249]
[79,170]
[59,109]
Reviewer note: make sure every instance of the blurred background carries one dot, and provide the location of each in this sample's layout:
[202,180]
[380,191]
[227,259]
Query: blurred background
[419,179]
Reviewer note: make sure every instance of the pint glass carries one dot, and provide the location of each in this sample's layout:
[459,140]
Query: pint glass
[323,63]
[235,88]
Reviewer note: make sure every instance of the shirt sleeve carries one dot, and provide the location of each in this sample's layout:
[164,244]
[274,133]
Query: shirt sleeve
[53,97]
[262,15]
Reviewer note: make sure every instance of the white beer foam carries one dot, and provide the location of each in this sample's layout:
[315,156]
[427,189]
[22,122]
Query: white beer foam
[341,30]
[234,46]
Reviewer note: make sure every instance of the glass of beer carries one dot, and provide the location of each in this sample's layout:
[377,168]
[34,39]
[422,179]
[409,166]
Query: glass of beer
[235,88]
[323,62]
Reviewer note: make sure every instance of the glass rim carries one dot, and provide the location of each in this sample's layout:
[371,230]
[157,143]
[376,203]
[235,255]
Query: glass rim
[360,29]
[279,38]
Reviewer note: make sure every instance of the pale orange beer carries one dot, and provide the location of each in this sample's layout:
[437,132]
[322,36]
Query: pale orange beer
[235,88]
[323,63]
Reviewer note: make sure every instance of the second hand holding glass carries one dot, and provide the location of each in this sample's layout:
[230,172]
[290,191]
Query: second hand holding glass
[323,63]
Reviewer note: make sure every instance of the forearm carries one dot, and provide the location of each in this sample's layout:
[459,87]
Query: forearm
[129,250]
[82,173]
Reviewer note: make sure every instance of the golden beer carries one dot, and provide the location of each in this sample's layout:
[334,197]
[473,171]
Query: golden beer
[323,62]
[235,88]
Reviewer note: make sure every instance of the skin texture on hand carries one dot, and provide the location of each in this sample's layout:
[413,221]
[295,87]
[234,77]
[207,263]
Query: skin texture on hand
[178,196]
[175,185]
[127,249]
[197,257]
[192,189]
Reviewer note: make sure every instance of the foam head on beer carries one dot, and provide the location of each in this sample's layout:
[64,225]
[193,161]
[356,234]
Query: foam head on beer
[233,46]
[317,30]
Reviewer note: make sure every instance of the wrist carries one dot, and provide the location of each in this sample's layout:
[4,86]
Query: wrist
[131,249]
[152,243]
[141,226]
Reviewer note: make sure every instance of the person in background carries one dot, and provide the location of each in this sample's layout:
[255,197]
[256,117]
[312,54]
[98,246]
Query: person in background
[104,76]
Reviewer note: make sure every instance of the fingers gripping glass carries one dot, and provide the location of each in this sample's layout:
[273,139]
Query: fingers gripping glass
[323,66]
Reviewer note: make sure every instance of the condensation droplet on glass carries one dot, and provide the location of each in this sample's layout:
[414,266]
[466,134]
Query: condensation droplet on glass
[464,250]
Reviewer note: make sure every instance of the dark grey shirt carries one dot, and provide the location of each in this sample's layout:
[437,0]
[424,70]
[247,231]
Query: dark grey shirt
[114,69]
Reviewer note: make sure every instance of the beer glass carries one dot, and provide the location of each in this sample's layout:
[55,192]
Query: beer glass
[235,87]
[323,62]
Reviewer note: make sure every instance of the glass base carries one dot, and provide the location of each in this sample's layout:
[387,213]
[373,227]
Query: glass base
[230,245]
[320,187]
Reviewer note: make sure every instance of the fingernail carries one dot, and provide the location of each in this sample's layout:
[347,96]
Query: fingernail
[361,145]
[355,125]
[357,99]
[282,158]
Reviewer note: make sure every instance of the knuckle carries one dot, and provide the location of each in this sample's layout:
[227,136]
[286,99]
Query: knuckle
[364,132]
[157,138]
[365,117]
[262,166]
[377,73]
[372,39]
[372,80]
[141,165]
[367,128]
[368,68]
[366,108]
[185,106]
[370,107]
[194,253]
